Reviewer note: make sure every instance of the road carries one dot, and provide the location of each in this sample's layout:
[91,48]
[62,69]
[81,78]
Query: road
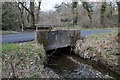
[24,37]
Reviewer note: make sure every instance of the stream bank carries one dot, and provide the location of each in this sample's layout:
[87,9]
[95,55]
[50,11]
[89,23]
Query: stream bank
[63,63]
[103,48]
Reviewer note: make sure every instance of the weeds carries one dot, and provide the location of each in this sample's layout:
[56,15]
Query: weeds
[22,60]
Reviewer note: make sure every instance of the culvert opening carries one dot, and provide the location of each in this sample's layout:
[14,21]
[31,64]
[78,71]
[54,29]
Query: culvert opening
[60,51]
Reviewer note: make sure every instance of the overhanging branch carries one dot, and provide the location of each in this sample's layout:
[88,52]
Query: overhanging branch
[25,8]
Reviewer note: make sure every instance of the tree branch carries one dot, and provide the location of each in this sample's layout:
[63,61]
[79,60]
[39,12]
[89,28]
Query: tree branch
[4,13]
[25,8]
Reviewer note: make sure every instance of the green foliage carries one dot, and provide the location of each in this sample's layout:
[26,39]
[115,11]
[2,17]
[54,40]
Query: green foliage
[111,78]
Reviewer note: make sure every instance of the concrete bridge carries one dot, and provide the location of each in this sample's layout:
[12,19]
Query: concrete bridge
[53,39]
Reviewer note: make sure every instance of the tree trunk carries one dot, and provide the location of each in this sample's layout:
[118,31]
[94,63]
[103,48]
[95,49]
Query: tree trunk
[32,6]
[89,9]
[118,4]
[21,19]
[38,12]
[75,13]
[111,10]
[103,9]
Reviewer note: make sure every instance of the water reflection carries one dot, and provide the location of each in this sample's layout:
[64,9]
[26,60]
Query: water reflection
[72,66]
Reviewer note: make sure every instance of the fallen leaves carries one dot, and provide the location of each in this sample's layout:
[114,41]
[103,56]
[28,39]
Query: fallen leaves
[103,47]
[27,59]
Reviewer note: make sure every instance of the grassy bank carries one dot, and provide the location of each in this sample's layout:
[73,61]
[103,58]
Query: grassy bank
[7,32]
[85,28]
[99,28]
[101,47]
[23,60]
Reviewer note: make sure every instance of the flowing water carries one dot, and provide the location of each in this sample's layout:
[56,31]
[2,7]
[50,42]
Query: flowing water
[65,64]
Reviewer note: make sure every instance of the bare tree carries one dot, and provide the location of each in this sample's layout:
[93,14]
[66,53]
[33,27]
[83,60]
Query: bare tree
[34,17]
[38,12]
[75,12]
[88,8]
[103,9]
[111,10]
[21,19]
[118,4]
[32,9]
[118,39]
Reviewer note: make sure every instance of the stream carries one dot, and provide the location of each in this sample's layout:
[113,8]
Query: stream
[63,63]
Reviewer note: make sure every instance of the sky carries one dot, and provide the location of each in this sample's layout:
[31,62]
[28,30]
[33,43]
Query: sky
[49,4]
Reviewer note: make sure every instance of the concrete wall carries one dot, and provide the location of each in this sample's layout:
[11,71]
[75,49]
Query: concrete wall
[53,39]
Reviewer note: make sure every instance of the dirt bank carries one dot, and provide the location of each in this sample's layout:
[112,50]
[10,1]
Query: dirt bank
[101,47]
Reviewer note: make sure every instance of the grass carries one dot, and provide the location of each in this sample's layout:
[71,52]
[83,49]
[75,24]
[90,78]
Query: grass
[7,32]
[84,28]
[13,49]
[22,60]
[99,29]
[102,36]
